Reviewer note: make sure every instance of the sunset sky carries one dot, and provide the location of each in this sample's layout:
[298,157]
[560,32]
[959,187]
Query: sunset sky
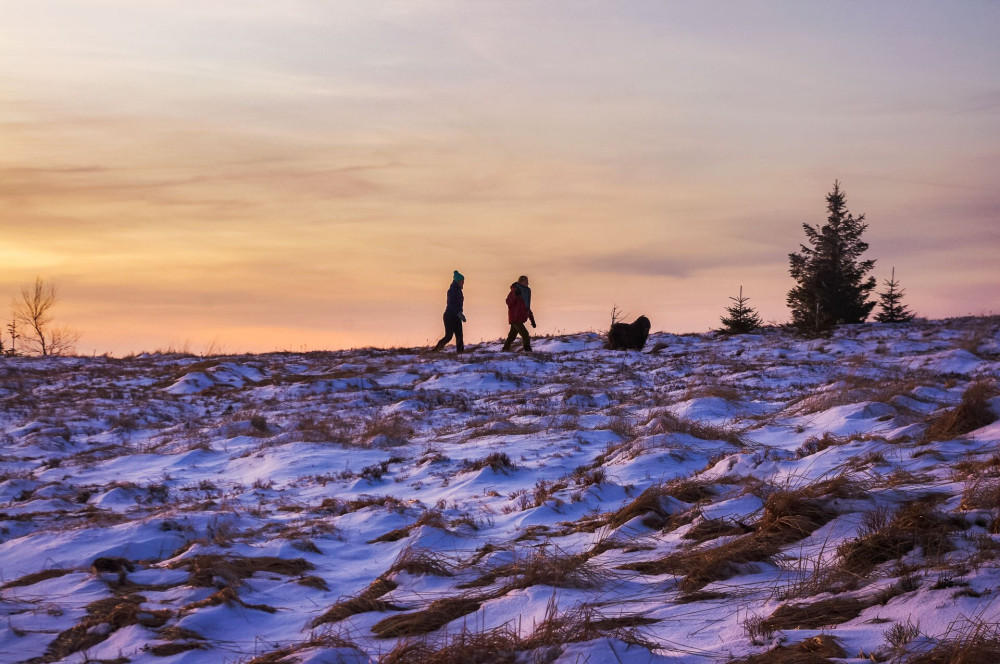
[258,175]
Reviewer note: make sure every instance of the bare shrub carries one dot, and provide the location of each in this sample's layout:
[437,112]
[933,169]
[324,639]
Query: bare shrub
[33,317]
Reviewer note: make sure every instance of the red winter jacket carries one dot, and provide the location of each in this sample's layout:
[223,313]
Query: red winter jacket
[517,310]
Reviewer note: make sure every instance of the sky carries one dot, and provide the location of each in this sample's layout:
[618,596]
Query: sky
[250,175]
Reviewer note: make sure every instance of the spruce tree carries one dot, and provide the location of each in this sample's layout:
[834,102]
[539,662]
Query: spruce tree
[742,318]
[831,286]
[892,309]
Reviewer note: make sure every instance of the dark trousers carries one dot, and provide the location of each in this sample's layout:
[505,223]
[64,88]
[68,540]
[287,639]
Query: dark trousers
[516,329]
[452,328]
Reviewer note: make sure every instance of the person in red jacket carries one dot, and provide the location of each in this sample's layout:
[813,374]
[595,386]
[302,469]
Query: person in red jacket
[518,312]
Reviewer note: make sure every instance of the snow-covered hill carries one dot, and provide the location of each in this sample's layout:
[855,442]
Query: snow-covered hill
[761,497]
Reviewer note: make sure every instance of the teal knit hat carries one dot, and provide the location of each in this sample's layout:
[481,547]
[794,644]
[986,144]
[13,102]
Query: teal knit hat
[458,276]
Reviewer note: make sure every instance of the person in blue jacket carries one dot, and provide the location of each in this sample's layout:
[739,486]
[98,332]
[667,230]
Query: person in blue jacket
[453,316]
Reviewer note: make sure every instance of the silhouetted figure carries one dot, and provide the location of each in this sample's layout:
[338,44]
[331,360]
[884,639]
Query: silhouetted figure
[518,312]
[629,336]
[453,316]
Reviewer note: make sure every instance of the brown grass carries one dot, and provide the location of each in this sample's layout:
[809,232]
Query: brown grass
[651,506]
[883,536]
[710,529]
[788,516]
[498,462]
[704,565]
[420,561]
[823,613]
[174,648]
[117,612]
[35,577]
[505,645]
[815,650]
[966,642]
[439,613]
[227,595]
[972,413]
[386,430]
[542,567]
[209,570]
[365,602]
[666,422]
[286,655]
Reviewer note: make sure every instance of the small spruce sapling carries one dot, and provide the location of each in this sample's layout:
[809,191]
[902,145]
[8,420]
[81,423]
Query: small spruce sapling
[742,318]
[891,308]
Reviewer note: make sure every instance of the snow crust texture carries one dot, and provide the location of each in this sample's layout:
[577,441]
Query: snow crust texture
[753,498]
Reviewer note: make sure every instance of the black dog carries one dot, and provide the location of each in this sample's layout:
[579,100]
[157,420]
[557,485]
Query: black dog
[629,336]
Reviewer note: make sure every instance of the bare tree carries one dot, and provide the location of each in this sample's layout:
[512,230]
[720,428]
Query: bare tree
[33,314]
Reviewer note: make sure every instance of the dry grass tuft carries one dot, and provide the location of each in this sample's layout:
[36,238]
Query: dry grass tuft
[230,571]
[790,516]
[498,462]
[815,650]
[710,529]
[666,422]
[967,642]
[505,645]
[702,566]
[286,655]
[366,601]
[819,614]
[227,595]
[542,567]
[651,506]
[35,577]
[439,613]
[116,612]
[883,536]
[420,561]
[972,413]
[174,648]
[386,431]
